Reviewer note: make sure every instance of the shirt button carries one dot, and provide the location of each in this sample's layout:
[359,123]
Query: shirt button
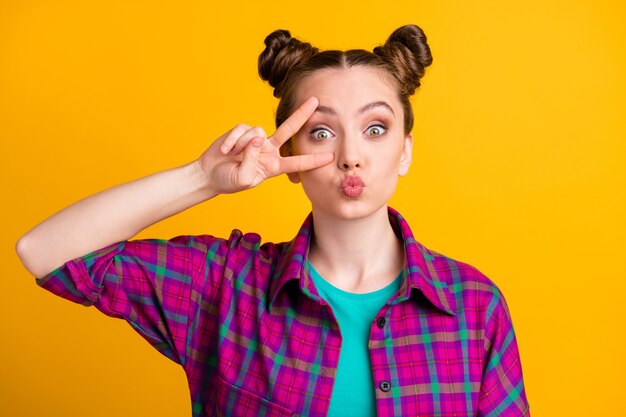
[384,386]
[381,322]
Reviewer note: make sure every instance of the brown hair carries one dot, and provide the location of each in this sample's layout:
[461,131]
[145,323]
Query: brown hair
[286,60]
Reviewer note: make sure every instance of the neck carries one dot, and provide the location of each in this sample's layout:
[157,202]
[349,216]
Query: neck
[356,255]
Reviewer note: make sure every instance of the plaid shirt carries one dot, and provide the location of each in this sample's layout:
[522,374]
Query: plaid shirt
[254,337]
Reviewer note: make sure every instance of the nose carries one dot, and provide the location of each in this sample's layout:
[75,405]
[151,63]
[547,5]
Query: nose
[348,155]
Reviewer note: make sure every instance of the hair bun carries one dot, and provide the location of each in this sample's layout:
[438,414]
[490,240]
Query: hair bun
[281,53]
[407,51]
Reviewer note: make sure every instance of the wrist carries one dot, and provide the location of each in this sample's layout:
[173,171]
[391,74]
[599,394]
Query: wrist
[199,180]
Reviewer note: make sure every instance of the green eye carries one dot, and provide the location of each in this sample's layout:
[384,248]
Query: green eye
[321,134]
[375,130]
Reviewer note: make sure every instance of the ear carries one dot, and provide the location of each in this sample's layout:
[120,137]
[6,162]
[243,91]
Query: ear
[407,152]
[286,151]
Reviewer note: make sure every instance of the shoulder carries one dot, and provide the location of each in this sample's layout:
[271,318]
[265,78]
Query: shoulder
[468,285]
[242,251]
[208,256]
[238,243]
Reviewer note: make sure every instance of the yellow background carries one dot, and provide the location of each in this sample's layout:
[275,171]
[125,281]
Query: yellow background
[518,170]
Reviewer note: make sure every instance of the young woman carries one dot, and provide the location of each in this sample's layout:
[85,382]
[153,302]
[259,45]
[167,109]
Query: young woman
[353,317]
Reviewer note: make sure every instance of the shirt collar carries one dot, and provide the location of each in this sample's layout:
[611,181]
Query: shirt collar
[420,272]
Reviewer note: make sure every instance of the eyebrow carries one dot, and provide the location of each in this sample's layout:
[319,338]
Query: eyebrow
[367,107]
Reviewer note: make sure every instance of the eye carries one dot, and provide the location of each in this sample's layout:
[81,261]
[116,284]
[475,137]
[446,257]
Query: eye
[375,130]
[321,134]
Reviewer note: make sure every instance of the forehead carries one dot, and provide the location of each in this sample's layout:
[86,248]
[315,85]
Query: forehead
[349,88]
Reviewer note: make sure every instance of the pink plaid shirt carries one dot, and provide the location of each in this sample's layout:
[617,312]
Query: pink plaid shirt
[254,337]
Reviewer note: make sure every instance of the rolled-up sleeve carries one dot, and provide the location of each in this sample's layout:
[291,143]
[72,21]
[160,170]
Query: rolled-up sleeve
[155,285]
[502,392]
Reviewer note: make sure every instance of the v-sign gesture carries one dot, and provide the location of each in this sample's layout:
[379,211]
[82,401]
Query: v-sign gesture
[240,159]
[244,157]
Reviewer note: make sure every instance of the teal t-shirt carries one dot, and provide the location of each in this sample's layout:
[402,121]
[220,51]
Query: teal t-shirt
[353,391]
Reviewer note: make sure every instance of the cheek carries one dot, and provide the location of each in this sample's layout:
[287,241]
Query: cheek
[315,186]
[318,177]
[305,146]
[388,160]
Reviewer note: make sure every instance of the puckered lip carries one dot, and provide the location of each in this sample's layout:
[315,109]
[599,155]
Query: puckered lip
[352,181]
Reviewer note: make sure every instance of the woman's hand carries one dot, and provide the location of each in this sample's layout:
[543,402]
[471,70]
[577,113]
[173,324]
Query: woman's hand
[244,157]
[240,159]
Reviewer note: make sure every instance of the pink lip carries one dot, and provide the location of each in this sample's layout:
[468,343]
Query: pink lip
[352,186]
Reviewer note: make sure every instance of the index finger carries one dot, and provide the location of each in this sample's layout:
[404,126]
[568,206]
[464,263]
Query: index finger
[294,122]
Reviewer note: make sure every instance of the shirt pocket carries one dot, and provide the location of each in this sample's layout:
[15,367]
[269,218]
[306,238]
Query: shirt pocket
[234,401]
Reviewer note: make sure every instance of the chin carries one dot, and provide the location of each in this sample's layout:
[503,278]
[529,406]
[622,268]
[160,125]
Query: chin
[352,209]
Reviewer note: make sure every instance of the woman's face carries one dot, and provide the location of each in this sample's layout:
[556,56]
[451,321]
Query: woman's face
[360,120]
